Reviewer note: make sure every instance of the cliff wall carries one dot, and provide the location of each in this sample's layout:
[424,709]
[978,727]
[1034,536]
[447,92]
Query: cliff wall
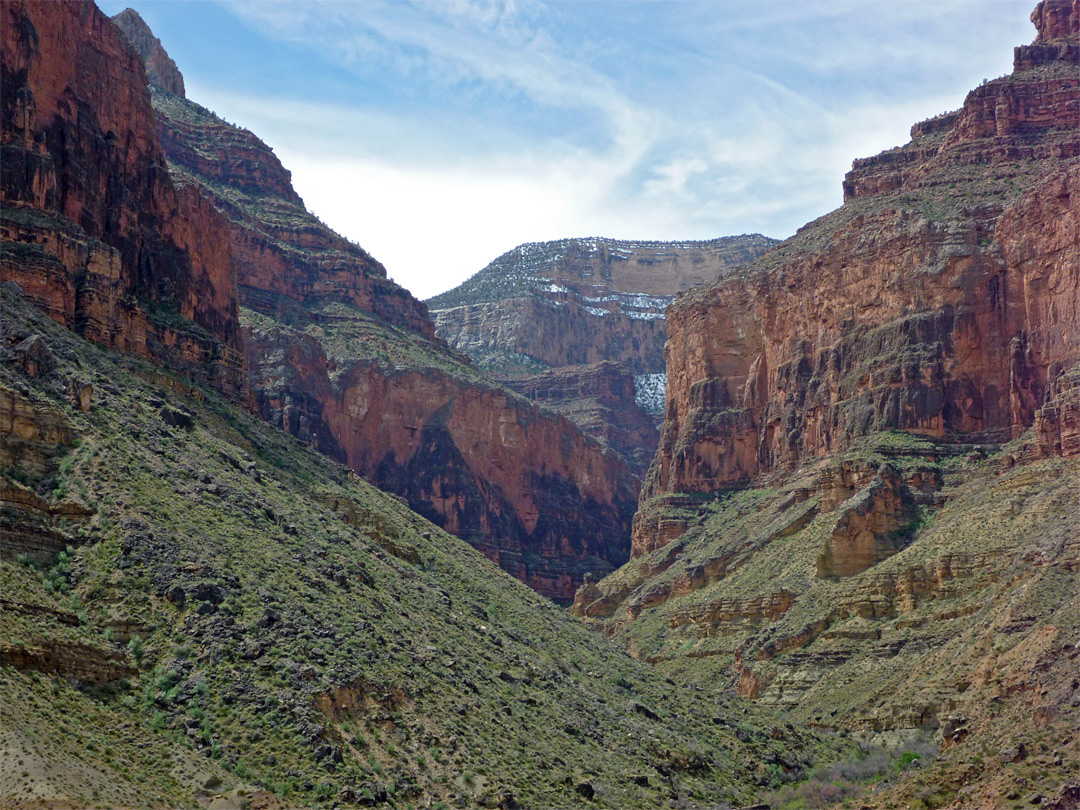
[518,482]
[942,299]
[93,228]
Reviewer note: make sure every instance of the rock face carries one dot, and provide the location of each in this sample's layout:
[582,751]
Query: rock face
[519,483]
[600,399]
[161,70]
[864,505]
[1057,424]
[581,302]
[93,228]
[346,360]
[942,299]
[862,535]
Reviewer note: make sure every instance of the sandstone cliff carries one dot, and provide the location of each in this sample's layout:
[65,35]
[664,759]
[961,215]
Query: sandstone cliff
[93,228]
[584,302]
[943,298]
[864,505]
[345,359]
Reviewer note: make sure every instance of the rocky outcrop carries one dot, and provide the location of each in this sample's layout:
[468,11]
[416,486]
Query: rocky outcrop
[1057,424]
[580,301]
[863,533]
[735,613]
[1030,115]
[161,70]
[519,483]
[93,229]
[80,662]
[34,435]
[555,329]
[945,310]
[34,529]
[600,400]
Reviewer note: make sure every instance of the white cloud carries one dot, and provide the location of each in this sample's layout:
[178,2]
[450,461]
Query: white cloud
[732,141]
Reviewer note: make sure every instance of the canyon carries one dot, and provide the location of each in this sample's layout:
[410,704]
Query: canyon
[239,461]
[346,360]
[557,321]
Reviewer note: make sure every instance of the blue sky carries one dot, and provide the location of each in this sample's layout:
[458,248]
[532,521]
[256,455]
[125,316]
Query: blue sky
[441,134]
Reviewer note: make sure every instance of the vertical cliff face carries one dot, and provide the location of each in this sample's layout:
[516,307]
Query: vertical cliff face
[161,70]
[345,359]
[93,228]
[942,299]
[570,308]
[864,506]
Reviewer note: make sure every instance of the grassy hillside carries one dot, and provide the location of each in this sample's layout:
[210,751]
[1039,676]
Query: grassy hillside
[206,607]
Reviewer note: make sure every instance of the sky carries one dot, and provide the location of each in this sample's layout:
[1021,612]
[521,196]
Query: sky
[440,134]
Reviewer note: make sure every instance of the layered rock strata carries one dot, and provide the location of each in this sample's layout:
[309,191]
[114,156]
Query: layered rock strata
[346,360]
[582,302]
[93,228]
[942,300]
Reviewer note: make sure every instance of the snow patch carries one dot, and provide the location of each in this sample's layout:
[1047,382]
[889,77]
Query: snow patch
[650,391]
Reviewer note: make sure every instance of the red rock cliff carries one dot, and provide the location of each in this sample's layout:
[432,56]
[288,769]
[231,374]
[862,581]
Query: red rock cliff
[93,228]
[359,373]
[161,70]
[520,483]
[943,298]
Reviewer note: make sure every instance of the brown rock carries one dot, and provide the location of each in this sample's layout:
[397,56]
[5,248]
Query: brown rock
[81,392]
[1057,424]
[91,207]
[161,70]
[861,536]
[33,435]
[600,400]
